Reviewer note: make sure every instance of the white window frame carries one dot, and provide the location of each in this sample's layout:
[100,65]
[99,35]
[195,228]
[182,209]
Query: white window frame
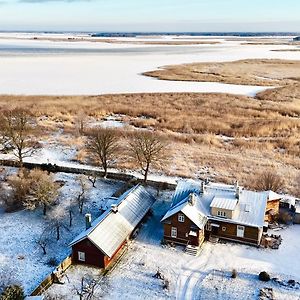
[81,256]
[240,231]
[181,218]
[221,213]
[208,226]
[174,232]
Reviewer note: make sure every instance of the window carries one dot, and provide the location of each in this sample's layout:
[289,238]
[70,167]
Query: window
[174,232]
[181,218]
[240,231]
[224,228]
[221,213]
[208,226]
[81,256]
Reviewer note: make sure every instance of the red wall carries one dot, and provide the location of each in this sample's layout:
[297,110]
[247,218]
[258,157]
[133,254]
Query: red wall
[93,256]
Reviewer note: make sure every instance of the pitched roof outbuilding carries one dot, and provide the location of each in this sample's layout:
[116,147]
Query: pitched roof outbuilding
[111,229]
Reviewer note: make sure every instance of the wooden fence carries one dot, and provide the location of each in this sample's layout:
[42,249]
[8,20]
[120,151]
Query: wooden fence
[53,277]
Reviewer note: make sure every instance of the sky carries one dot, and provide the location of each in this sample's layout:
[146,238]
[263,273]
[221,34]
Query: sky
[151,15]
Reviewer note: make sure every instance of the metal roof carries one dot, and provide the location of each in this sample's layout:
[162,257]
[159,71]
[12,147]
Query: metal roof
[249,208]
[196,212]
[224,203]
[111,229]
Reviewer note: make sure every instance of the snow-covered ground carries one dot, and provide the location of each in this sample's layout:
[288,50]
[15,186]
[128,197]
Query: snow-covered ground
[48,67]
[19,253]
[204,277]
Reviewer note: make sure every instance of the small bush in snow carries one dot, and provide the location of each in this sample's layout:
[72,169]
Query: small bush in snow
[234,273]
[52,262]
[166,284]
[264,276]
[12,292]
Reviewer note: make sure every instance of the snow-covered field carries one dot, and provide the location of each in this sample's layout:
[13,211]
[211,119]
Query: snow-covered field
[20,255]
[49,67]
[204,277]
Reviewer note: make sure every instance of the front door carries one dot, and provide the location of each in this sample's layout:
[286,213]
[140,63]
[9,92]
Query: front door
[240,231]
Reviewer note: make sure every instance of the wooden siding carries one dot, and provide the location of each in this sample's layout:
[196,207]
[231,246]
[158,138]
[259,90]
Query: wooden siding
[183,229]
[229,213]
[274,206]
[93,256]
[251,234]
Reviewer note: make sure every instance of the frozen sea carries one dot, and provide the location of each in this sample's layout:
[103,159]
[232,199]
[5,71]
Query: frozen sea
[53,67]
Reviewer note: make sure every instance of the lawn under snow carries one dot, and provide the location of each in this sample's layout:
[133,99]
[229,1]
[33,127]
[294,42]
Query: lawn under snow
[37,67]
[204,277]
[19,254]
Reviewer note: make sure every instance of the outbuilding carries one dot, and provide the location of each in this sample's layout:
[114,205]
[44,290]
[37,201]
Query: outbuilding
[106,236]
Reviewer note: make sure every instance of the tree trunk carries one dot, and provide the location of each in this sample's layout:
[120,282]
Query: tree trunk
[20,157]
[57,233]
[105,170]
[71,218]
[146,173]
[44,250]
[44,209]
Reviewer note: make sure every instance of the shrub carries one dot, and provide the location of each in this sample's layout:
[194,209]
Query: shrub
[234,273]
[264,276]
[12,292]
[52,262]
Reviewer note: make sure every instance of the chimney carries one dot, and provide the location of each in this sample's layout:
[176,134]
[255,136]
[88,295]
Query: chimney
[202,187]
[88,221]
[237,190]
[192,199]
[114,208]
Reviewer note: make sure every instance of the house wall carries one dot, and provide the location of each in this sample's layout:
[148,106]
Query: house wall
[252,235]
[183,229]
[229,213]
[272,205]
[93,256]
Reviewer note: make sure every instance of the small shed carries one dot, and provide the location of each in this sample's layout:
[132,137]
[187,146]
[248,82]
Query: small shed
[106,236]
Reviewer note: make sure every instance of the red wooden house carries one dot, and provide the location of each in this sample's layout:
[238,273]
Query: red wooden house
[106,236]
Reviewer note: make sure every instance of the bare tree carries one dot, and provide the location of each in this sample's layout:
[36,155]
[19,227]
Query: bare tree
[146,149]
[43,241]
[81,196]
[90,287]
[80,122]
[56,220]
[103,145]
[43,191]
[269,180]
[17,130]
[93,178]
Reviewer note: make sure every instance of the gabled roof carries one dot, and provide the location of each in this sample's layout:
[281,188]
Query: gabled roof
[195,212]
[111,229]
[249,208]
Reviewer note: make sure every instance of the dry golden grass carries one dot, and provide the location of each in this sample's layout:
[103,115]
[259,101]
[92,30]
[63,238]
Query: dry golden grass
[264,134]
[263,72]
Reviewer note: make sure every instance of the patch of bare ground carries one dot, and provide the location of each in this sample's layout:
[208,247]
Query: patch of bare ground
[214,135]
[262,72]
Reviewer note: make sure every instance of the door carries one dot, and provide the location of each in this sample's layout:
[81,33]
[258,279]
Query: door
[240,231]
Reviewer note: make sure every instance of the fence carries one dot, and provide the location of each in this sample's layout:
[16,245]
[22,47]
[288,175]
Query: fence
[53,277]
[88,171]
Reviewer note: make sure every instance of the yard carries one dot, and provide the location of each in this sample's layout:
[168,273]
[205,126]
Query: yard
[21,257]
[204,277]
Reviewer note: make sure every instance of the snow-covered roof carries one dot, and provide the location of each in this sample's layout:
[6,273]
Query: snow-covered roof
[110,230]
[224,203]
[192,208]
[249,208]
